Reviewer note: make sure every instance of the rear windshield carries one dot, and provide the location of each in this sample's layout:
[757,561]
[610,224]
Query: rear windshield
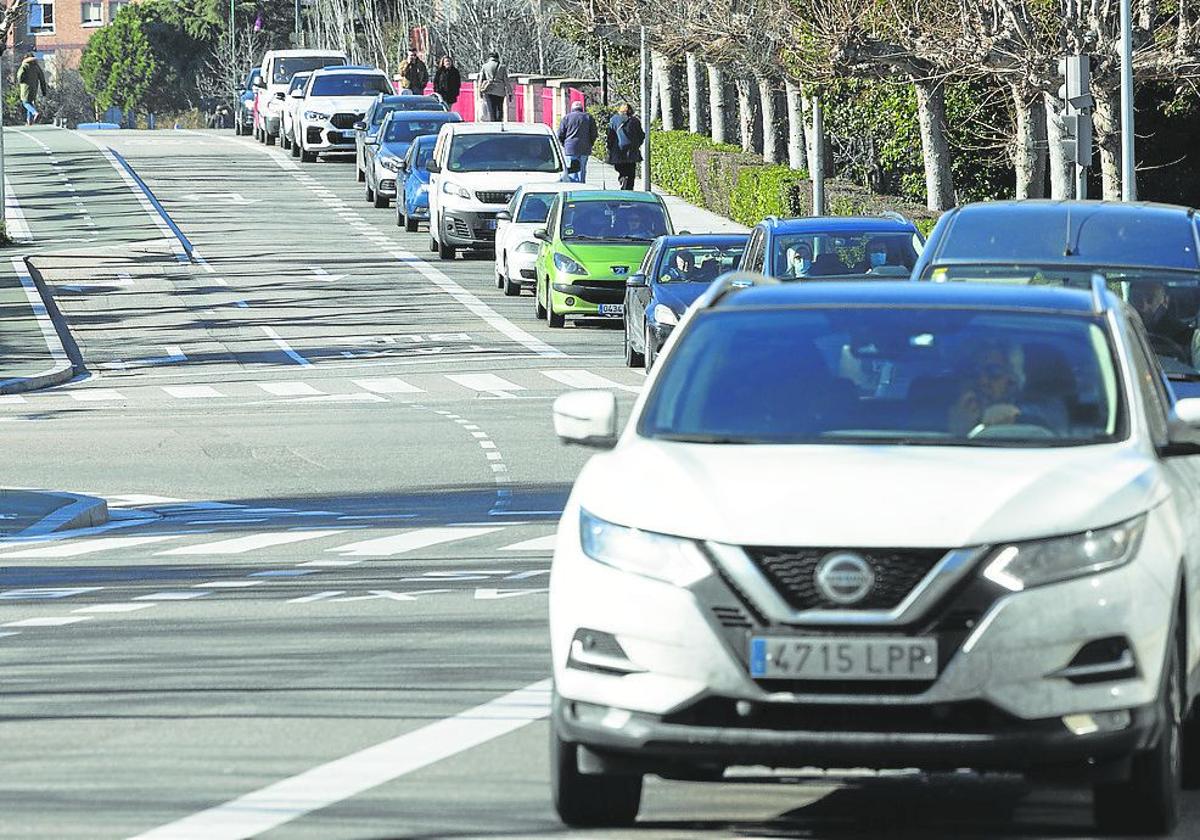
[1145,237]
[888,376]
[407,103]
[613,220]
[535,207]
[403,130]
[503,152]
[282,69]
[350,84]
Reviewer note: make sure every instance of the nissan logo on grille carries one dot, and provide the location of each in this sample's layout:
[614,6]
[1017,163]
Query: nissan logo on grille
[844,578]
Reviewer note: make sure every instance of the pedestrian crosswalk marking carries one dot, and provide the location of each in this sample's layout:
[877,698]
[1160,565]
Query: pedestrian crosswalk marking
[51,621]
[11,399]
[76,548]
[113,608]
[252,542]
[409,541]
[97,395]
[586,379]
[171,596]
[488,383]
[289,389]
[545,543]
[388,385]
[192,392]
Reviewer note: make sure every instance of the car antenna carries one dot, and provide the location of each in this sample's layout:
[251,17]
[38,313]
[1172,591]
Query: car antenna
[1067,248]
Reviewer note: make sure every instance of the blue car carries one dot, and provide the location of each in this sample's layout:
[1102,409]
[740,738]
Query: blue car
[834,248]
[382,158]
[412,204]
[243,123]
[1147,254]
[366,130]
[675,271]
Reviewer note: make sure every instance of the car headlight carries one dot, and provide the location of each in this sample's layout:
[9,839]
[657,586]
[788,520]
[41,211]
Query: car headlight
[670,559]
[451,188]
[1022,565]
[390,164]
[529,246]
[564,263]
[315,115]
[664,315]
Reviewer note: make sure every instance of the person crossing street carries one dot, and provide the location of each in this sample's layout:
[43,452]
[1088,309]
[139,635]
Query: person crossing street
[577,132]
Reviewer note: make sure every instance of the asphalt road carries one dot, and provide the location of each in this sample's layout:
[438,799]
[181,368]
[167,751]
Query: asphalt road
[334,483]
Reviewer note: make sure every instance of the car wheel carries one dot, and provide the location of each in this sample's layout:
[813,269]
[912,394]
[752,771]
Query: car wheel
[307,156]
[295,150]
[511,289]
[648,353]
[587,801]
[284,143]
[538,309]
[269,138]
[1148,801]
[237,126]
[433,246]
[370,194]
[382,202]
[633,358]
[362,176]
[446,252]
[410,224]
[553,319]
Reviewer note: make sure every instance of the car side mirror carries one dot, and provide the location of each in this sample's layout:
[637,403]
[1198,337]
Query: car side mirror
[1183,428]
[360,126]
[573,167]
[636,281]
[433,167]
[684,233]
[260,82]
[542,234]
[296,94]
[279,95]
[587,418]
[504,216]
[402,166]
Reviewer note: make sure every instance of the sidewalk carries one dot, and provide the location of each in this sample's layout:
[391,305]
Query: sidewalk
[32,354]
[31,513]
[685,216]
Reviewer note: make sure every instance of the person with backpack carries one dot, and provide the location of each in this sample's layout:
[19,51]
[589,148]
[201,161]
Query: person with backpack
[414,74]
[31,81]
[493,84]
[447,81]
[624,140]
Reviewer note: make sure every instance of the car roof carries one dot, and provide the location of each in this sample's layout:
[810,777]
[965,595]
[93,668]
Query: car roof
[908,294]
[295,53]
[623,195]
[1069,233]
[556,187]
[396,116]
[704,239]
[836,224]
[337,71]
[501,128]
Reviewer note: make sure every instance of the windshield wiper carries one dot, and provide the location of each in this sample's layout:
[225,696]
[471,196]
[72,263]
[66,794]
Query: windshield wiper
[1184,377]
[702,437]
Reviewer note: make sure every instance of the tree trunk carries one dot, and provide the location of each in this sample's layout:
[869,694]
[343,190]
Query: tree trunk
[695,106]
[668,93]
[1029,146]
[767,95]
[655,87]
[931,114]
[1062,171]
[716,103]
[745,113]
[1108,137]
[797,150]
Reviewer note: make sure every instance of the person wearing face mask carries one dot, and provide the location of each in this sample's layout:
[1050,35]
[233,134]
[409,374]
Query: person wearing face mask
[876,256]
[800,260]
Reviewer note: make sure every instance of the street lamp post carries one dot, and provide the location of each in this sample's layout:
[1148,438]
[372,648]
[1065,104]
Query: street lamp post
[1128,165]
[646,83]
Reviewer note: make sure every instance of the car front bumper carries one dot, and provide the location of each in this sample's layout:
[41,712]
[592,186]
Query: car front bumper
[469,228]
[521,269]
[323,137]
[575,295]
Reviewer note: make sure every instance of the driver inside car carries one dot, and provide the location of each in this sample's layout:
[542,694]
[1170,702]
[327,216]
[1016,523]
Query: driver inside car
[1169,336]
[988,396]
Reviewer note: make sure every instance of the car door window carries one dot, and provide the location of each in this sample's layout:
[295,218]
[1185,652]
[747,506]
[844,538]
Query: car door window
[1150,383]
[754,254]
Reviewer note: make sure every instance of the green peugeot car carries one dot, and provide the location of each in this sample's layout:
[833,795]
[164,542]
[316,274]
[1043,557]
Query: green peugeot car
[592,242]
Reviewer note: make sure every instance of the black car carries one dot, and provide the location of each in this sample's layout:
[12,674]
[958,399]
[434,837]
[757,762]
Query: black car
[675,271]
[1149,254]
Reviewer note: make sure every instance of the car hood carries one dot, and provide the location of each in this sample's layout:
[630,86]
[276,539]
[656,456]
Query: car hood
[336,104]
[867,496]
[497,181]
[604,258]
[395,149]
[678,296]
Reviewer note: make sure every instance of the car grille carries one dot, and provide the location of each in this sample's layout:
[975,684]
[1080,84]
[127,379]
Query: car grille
[494,197]
[460,228]
[344,121]
[528,273]
[387,184]
[792,571]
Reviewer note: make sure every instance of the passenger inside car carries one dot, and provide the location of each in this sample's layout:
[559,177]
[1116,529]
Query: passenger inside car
[1169,336]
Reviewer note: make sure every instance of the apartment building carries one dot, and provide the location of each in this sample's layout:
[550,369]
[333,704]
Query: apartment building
[58,30]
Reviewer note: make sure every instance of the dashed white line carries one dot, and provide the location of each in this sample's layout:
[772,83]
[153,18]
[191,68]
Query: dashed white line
[285,347]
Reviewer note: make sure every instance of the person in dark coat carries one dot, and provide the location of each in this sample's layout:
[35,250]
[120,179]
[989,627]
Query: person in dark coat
[577,132]
[447,81]
[624,140]
[414,74]
[31,81]
[494,87]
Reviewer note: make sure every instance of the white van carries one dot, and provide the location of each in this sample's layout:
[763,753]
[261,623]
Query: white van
[475,169]
[278,67]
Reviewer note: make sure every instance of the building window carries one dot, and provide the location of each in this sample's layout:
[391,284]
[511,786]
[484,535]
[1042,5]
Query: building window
[115,6]
[41,16]
[93,11]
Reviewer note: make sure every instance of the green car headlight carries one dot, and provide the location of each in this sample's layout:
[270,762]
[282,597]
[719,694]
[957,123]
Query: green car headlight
[1022,565]
[567,265]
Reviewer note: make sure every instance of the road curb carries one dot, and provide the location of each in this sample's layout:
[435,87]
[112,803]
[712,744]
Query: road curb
[68,362]
[80,512]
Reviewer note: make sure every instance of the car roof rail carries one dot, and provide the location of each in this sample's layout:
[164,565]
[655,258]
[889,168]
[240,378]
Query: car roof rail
[1099,291]
[730,283]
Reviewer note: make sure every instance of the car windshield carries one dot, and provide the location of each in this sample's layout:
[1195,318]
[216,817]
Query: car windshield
[845,255]
[404,130]
[350,84]
[613,220]
[423,154]
[1168,301]
[282,69]
[698,263]
[503,152]
[888,376]
[535,207]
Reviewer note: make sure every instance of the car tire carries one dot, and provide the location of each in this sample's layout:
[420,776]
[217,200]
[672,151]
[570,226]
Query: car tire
[511,289]
[633,358]
[410,224]
[553,319]
[1148,801]
[370,194]
[433,246]
[446,252]
[586,801]
[382,202]
[269,138]
[538,309]
[295,150]
[284,143]
[362,176]
[648,354]
[307,156]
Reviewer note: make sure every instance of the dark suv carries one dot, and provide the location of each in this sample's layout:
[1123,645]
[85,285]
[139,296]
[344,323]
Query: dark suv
[833,248]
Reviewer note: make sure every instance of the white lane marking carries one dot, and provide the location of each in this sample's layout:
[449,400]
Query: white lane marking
[289,389]
[409,541]
[192,392]
[331,562]
[487,383]
[388,385]
[478,307]
[49,334]
[56,621]
[317,596]
[96,395]
[228,584]
[343,778]
[503,594]
[586,379]
[11,399]
[171,596]
[85,546]
[135,499]
[17,226]
[252,542]
[113,608]
[46,593]
[286,348]
[545,543]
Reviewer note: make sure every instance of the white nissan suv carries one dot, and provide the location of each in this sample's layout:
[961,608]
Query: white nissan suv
[884,525]
[334,99]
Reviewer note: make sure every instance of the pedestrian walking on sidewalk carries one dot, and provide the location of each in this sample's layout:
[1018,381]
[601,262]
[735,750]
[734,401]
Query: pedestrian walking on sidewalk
[493,84]
[577,132]
[447,81]
[414,74]
[31,81]
[624,140]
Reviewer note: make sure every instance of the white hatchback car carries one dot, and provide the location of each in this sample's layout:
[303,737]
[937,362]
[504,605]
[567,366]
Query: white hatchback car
[516,247]
[884,525]
[334,99]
